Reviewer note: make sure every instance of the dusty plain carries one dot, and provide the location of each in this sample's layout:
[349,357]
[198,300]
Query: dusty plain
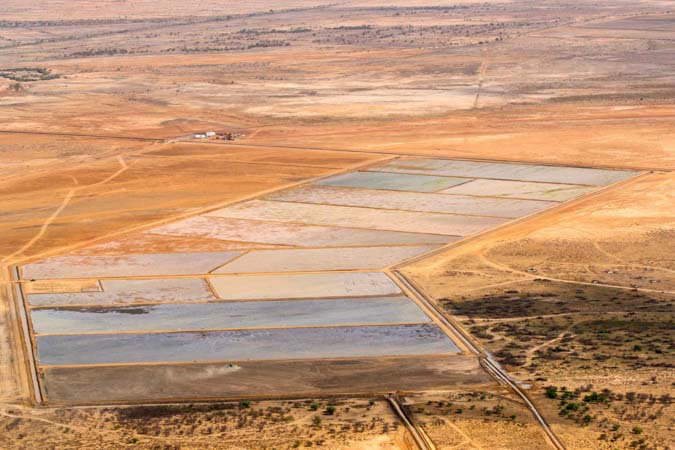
[576,303]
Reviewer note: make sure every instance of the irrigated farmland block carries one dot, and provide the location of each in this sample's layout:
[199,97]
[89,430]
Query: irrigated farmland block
[359,217]
[521,189]
[127,266]
[358,284]
[299,260]
[505,171]
[223,315]
[290,233]
[116,292]
[413,201]
[394,182]
[244,345]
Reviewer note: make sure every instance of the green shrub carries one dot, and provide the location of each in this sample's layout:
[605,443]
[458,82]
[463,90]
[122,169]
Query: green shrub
[552,392]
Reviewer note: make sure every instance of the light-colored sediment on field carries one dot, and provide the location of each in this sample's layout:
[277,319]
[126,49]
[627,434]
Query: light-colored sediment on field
[473,204]
[290,234]
[60,286]
[321,259]
[303,285]
[128,265]
[519,189]
[116,292]
[345,216]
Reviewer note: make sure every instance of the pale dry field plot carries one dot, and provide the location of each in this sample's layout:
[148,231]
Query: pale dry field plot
[312,299]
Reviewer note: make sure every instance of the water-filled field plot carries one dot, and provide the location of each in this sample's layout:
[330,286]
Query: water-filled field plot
[287,293]
[285,343]
[471,205]
[520,190]
[505,171]
[226,315]
[127,266]
[394,182]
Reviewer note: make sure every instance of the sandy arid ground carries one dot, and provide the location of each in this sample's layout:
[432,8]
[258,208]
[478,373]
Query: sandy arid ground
[563,302]
[576,303]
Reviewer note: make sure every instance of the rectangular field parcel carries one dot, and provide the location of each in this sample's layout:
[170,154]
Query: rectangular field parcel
[506,171]
[338,342]
[520,190]
[289,233]
[298,260]
[394,182]
[346,216]
[167,382]
[115,292]
[414,201]
[357,284]
[127,266]
[224,315]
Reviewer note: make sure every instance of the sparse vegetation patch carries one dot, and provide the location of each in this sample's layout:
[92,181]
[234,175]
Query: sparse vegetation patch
[24,74]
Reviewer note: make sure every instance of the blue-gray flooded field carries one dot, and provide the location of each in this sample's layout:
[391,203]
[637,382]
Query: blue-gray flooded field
[221,315]
[392,181]
[505,171]
[244,345]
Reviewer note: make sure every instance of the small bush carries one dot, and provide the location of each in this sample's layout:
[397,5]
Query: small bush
[552,392]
